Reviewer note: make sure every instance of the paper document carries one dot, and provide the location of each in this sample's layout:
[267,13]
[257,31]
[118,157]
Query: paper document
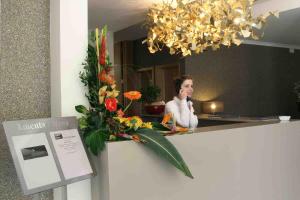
[71,154]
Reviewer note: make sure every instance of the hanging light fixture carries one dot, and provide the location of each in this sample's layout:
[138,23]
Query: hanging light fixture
[186,26]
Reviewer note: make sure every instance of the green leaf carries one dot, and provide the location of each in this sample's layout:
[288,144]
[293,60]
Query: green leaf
[83,123]
[150,94]
[81,109]
[104,30]
[96,141]
[159,127]
[164,148]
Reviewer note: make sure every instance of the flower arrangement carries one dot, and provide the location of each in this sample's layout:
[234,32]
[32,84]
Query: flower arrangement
[106,120]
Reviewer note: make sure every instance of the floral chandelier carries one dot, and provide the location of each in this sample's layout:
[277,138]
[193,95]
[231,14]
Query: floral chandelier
[187,26]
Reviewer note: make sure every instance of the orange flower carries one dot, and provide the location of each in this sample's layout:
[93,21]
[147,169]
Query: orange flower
[106,78]
[166,118]
[133,95]
[181,129]
[120,113]
[136,138]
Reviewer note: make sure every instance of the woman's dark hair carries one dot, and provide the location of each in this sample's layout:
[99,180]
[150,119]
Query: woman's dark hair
[178,82]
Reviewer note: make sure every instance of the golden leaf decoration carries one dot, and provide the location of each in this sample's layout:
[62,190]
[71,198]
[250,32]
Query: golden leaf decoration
[188,26]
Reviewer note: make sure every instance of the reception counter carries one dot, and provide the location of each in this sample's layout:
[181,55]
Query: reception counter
[243,161]
[214,120]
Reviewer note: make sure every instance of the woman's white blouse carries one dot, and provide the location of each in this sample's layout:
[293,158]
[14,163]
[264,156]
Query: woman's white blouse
[183,112]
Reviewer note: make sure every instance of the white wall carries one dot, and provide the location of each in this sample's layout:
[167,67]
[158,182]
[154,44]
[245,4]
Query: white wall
[68,46]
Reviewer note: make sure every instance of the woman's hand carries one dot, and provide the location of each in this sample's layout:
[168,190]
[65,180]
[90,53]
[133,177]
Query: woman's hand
[182,94]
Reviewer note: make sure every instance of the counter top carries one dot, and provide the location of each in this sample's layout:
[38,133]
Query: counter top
[229,118]
[237,118]
[240,125]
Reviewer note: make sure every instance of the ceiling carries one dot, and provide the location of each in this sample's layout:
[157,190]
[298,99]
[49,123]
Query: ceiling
[121,14]
[285,30]
[117,14]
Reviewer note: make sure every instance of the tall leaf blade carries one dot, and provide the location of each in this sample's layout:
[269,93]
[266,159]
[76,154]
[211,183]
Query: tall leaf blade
[164,148]
[95,141]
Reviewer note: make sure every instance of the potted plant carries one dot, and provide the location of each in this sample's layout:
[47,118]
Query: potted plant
[297,92]
[150,95]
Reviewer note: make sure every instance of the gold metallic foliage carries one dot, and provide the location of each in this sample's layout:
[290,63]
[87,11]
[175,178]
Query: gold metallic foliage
[187,26]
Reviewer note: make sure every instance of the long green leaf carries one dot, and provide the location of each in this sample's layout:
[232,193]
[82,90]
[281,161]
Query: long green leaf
[95,141]
[164,148]
[158,126]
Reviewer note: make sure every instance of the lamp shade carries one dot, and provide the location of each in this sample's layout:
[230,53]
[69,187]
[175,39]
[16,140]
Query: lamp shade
[212,107]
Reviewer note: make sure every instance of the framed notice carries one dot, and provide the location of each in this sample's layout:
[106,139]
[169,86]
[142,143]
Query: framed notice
[47,153]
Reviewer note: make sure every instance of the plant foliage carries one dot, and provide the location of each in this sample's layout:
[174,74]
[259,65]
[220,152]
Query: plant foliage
[106,120]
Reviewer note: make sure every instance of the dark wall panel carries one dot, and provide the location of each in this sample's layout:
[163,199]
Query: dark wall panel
[251,80]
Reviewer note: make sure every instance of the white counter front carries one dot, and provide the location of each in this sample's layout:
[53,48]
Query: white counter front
[248,161]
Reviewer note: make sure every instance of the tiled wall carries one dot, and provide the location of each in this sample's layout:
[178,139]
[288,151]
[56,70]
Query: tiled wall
[24,77]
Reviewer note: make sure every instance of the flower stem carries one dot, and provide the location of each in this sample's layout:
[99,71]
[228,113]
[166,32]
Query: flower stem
[127,106]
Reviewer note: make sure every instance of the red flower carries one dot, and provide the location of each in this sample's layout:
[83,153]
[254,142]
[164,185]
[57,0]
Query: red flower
[103,51]
[111,104]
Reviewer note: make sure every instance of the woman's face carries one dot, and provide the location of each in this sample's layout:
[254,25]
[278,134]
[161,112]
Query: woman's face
[187,85]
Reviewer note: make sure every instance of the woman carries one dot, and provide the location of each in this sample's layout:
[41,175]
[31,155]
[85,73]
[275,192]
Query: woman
[181,106]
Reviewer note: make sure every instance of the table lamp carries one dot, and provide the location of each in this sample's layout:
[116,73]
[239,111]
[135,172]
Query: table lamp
[212,107]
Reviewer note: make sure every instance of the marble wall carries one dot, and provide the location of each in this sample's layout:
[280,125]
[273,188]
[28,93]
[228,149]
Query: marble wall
[24,77]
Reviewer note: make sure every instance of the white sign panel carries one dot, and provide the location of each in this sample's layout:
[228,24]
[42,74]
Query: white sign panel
[70,153]
[36,160]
